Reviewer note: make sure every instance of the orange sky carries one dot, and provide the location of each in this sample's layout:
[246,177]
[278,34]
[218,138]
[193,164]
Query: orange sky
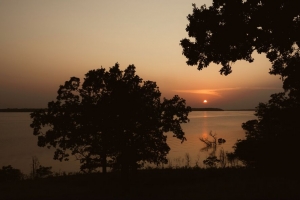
[44,43]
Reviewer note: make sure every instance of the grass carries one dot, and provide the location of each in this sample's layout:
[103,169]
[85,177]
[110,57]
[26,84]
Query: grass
[183,183]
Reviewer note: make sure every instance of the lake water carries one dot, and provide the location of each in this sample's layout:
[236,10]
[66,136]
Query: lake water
[18,145]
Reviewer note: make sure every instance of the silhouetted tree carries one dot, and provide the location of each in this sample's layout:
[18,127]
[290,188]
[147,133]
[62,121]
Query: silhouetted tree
[39,171]
[231,30]
[43,172]
[114,119]
[8,173]
[272,139]
[211,161]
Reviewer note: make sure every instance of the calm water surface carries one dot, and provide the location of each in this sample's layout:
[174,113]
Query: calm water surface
[225,124]
[18,145]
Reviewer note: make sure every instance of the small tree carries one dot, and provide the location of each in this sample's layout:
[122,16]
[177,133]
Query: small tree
[43,172]
[211,161]
[209,143]
[113,119]
[39,171]
[8,173]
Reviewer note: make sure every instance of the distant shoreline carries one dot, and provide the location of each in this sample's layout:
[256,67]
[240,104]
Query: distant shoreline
[193,109]
[249,109]
[219,109]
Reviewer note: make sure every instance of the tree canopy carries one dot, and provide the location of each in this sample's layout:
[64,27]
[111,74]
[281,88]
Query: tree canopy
[8,173]
[229,31]
[232,30]
[114,119]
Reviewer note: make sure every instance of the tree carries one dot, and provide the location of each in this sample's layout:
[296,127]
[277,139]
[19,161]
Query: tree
[114,119]
[39,171]
[229,31]
[272,139]
[8,173]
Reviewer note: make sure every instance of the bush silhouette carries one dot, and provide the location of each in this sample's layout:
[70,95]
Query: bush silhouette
[8,173]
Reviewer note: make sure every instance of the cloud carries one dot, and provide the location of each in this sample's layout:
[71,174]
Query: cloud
[217,92]
[262,88]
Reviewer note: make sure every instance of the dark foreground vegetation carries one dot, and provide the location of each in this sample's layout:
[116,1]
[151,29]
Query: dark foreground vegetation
[183,183]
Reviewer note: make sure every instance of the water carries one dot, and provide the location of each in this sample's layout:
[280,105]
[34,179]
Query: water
[18,145]
[225,124]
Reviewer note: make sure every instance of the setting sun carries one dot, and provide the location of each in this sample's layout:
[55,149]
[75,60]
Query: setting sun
[205,101]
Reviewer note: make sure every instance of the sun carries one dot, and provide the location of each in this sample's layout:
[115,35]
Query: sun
[205,101]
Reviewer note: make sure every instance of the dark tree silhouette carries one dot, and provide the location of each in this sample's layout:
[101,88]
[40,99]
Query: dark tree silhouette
[232,30]
[272,140]
[39,171]
[114,119]
[229,31]
[8,173]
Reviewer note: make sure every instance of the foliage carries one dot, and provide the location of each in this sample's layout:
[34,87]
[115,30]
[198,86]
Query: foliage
[39,171]
[113,119]
[274,136]
[229,31]
[184,183]
[8,173]
[211,161]
[232,159]
[209,143]
[43,172]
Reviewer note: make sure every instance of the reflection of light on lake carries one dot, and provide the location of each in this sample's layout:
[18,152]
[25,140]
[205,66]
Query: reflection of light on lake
[204,135]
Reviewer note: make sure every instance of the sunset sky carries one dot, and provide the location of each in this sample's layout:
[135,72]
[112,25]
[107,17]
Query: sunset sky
[44,43]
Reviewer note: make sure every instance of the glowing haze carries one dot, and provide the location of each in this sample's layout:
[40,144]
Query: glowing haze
[44,43]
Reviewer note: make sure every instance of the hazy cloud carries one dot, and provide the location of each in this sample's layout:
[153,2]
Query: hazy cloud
[217,92]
